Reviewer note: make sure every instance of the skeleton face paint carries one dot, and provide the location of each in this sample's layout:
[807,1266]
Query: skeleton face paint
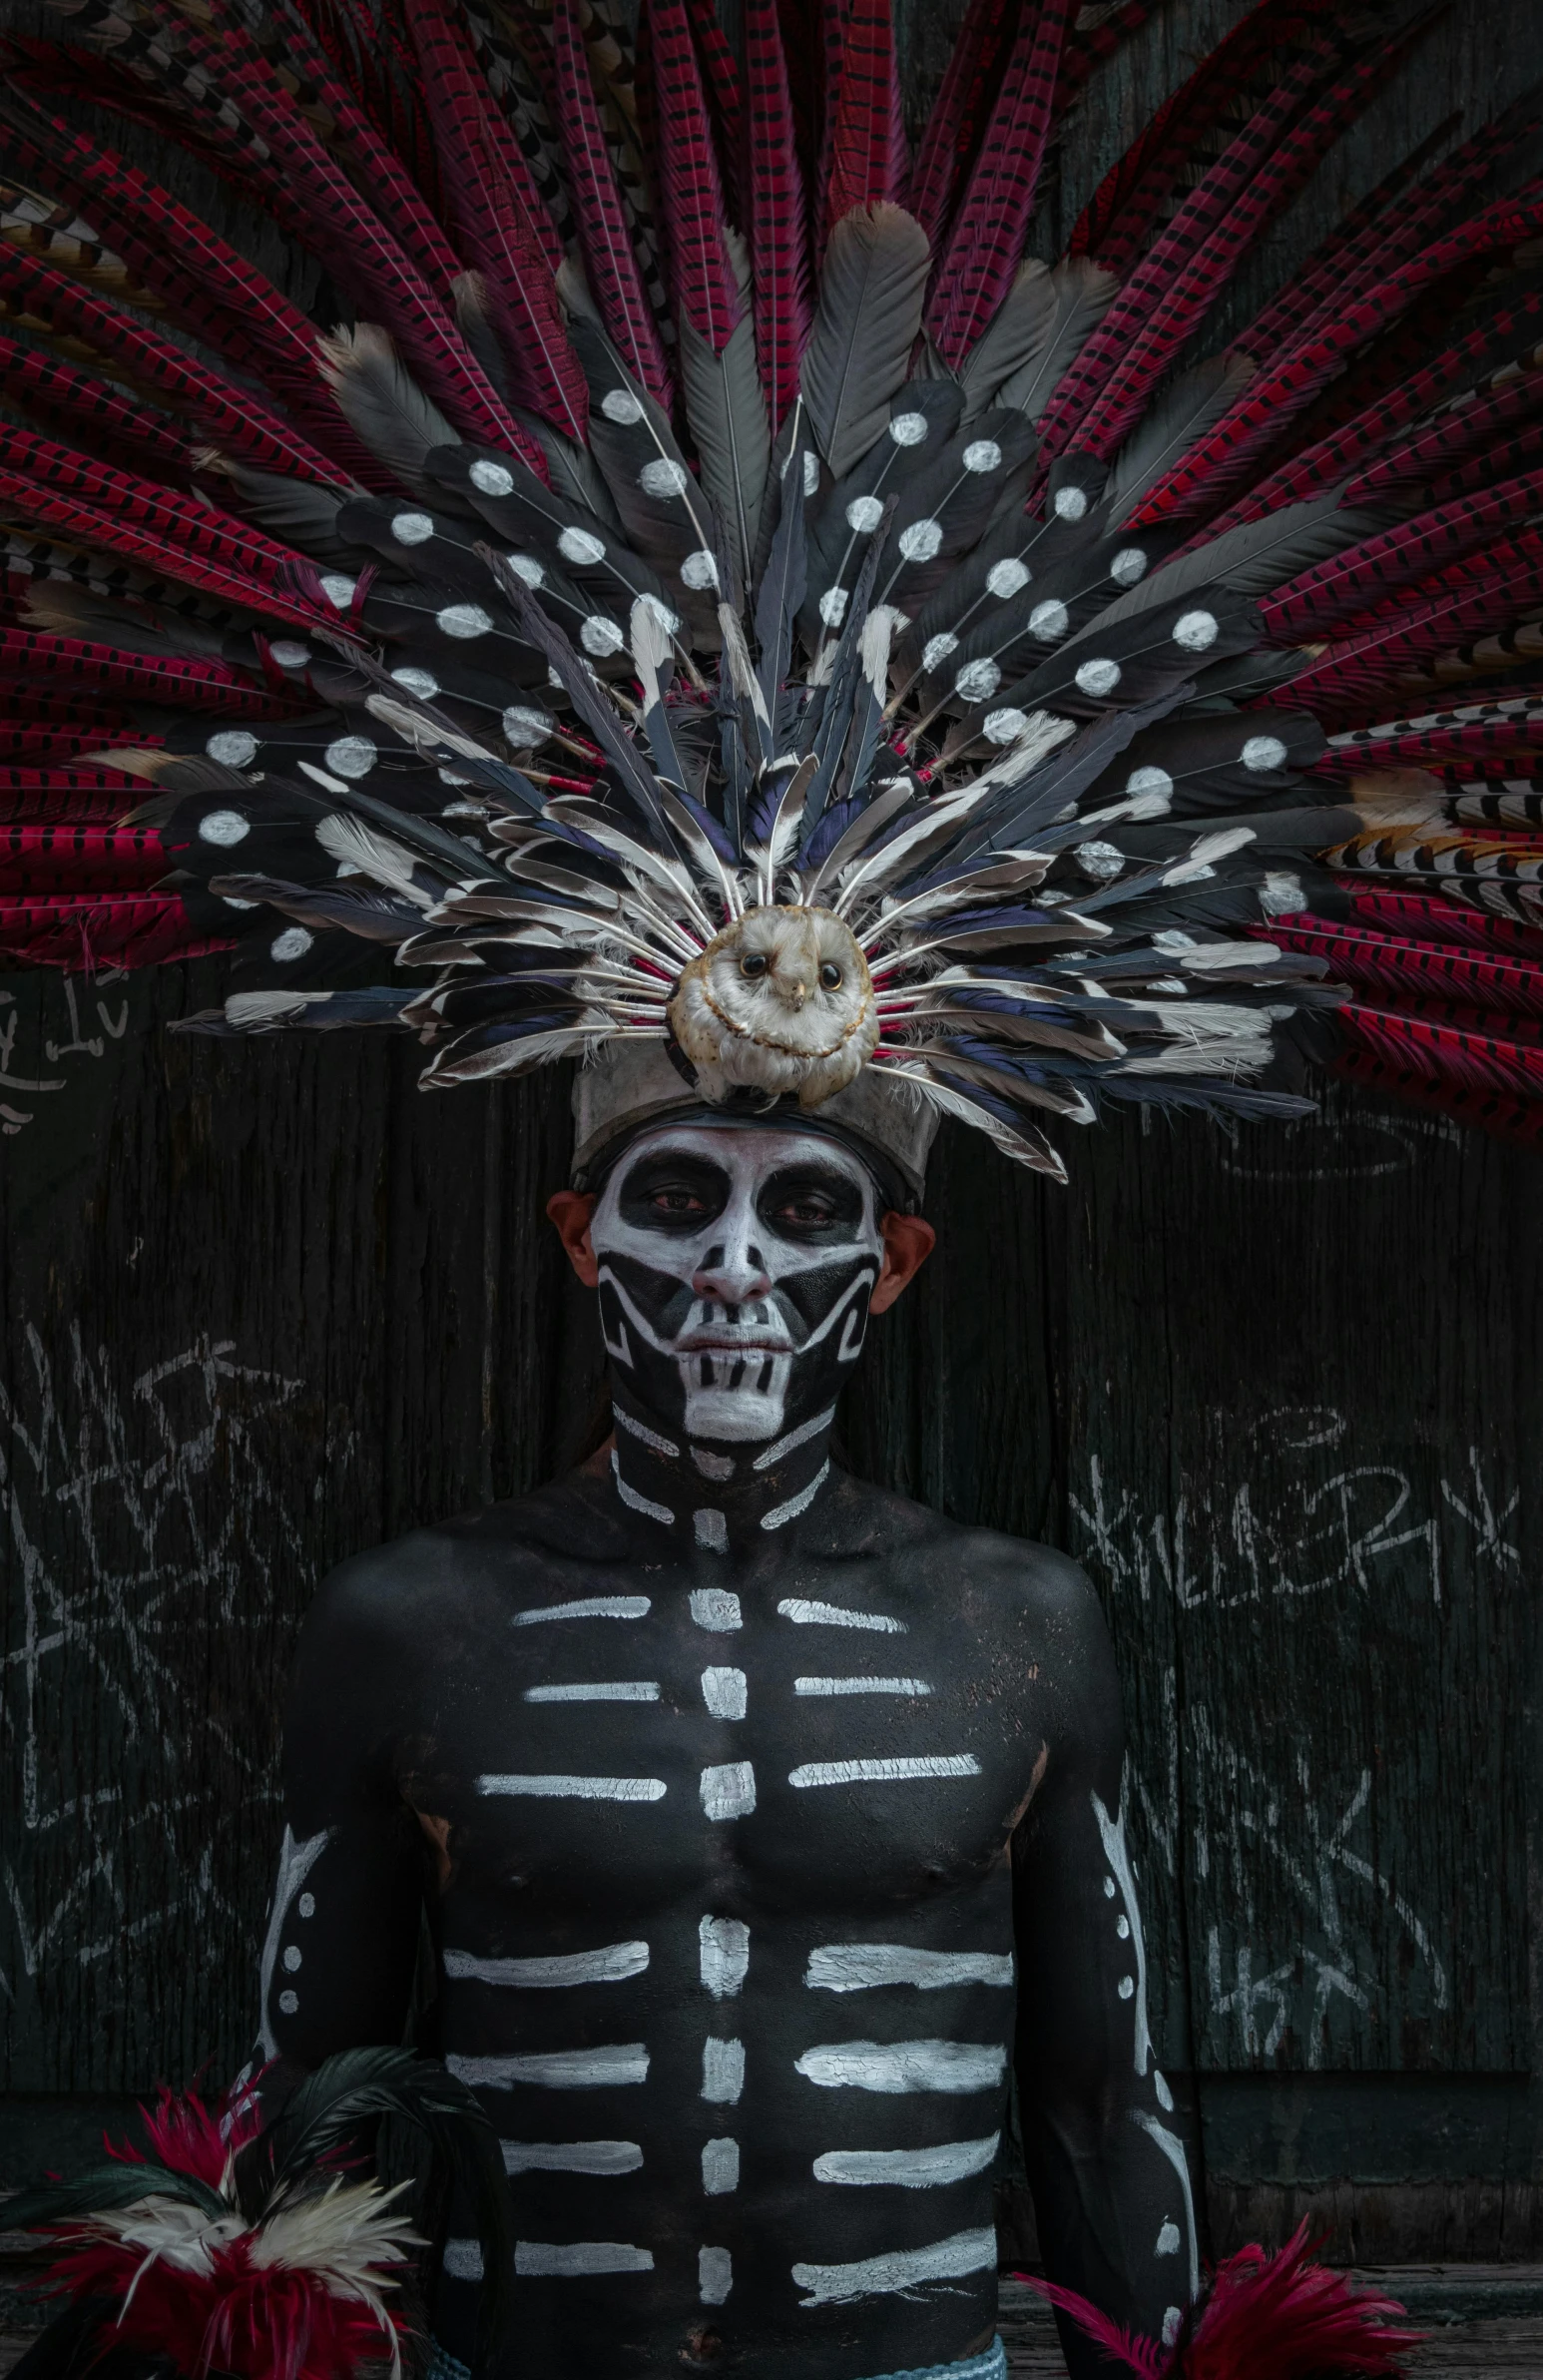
[736,1268]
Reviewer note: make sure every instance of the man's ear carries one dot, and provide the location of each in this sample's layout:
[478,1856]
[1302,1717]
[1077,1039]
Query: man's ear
[571,1211]
[908,1242]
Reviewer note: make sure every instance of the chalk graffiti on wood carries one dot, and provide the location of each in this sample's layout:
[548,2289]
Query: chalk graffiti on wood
[141,1516]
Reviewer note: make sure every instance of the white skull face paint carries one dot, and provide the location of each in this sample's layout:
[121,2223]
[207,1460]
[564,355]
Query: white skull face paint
[736,1268]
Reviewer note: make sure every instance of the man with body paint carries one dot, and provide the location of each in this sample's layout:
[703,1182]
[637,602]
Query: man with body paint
[764,1822]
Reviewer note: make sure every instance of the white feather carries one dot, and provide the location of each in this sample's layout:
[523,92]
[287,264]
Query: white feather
[354,845]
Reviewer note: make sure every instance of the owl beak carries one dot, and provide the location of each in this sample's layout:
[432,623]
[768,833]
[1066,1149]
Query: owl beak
[797,993]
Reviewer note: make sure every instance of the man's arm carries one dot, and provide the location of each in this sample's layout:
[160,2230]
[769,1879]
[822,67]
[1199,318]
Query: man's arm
[343,1924]
[1105,2150]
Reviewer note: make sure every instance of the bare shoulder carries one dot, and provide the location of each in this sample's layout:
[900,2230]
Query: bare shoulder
[1016,1576]
[390,1595]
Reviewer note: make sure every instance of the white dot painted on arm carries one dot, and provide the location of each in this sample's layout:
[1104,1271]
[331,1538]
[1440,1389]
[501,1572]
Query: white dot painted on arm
[306,1904]
[1167,2240]
[289,2002]
[1110,1888]
[1173,2323]
[1164,2096]
[1126,1985]
[291,1959]
[1123,1927]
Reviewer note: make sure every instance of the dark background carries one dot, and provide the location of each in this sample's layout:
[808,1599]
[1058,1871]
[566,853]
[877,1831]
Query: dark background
[264,1305]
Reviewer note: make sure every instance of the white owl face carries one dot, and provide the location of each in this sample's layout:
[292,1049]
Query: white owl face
[781,1000]
[736,1268]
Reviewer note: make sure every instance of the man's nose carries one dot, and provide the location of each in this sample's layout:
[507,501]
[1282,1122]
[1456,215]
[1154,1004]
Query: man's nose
[732,1273]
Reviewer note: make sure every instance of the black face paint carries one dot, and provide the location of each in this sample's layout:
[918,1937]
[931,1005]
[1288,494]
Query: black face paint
[735,1269]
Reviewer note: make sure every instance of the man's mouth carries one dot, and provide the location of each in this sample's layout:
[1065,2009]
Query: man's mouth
[719,1339]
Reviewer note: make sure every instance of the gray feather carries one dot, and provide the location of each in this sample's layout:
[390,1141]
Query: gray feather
[1251,559]
[1185,412]
[381,402]
[871,300]
[729,426]
[1045,319]
[297,511]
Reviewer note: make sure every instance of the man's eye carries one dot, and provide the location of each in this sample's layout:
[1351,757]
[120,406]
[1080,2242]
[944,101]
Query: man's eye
[805,1211]
[676,1202]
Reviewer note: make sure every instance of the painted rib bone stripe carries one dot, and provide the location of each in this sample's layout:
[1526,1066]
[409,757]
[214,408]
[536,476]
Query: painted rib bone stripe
[907,2168]
[574,2259]
[884,1772]
[614,1689]
[571,2157]
[608,2068]
[804,1615]
[868,1966]
[881,2276]
[586,1608]
[612,1965]
[573,1788]
[904,2066]
[860,1685]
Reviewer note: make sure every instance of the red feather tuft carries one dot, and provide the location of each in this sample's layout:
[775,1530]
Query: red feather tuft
[702,275]
[604,236]
[958,117]
[778,242]
[868,161]
[505,230]
[255,2322]
[1172,148]
[986,245]
[1280,2317]
[1263,170]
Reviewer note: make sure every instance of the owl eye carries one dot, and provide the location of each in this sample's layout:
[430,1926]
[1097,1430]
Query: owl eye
[754,964]
[830,975]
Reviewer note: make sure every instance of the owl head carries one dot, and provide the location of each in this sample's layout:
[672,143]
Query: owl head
[780,1000]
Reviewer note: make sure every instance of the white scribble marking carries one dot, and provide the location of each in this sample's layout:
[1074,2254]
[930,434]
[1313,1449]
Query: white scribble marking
[584,1789]
[716,1608]
[715,2275]
[860,1685]
[1112,1835]
[558,2069]
[795,1437]
[728,1789]
[723,2071]
[780,1515]
[1173,2149]
[867,1966]
[904,2066]
[725,1949]
[613,1689]
[726,1692]
[909,2168]
[571,2157]
[296,1861]
[587,1608]
[570,2259]
[613,1965]
[720,2167]
[804,1615]
[884,1772]
[636,1503]
[905,2268]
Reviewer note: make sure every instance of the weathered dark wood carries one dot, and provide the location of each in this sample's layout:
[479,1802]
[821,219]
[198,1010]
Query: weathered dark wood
[264,1305]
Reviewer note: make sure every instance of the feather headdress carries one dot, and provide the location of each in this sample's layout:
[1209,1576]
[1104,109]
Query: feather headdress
[717,591]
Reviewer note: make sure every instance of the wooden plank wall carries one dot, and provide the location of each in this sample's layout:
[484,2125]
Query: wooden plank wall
[264,1305]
